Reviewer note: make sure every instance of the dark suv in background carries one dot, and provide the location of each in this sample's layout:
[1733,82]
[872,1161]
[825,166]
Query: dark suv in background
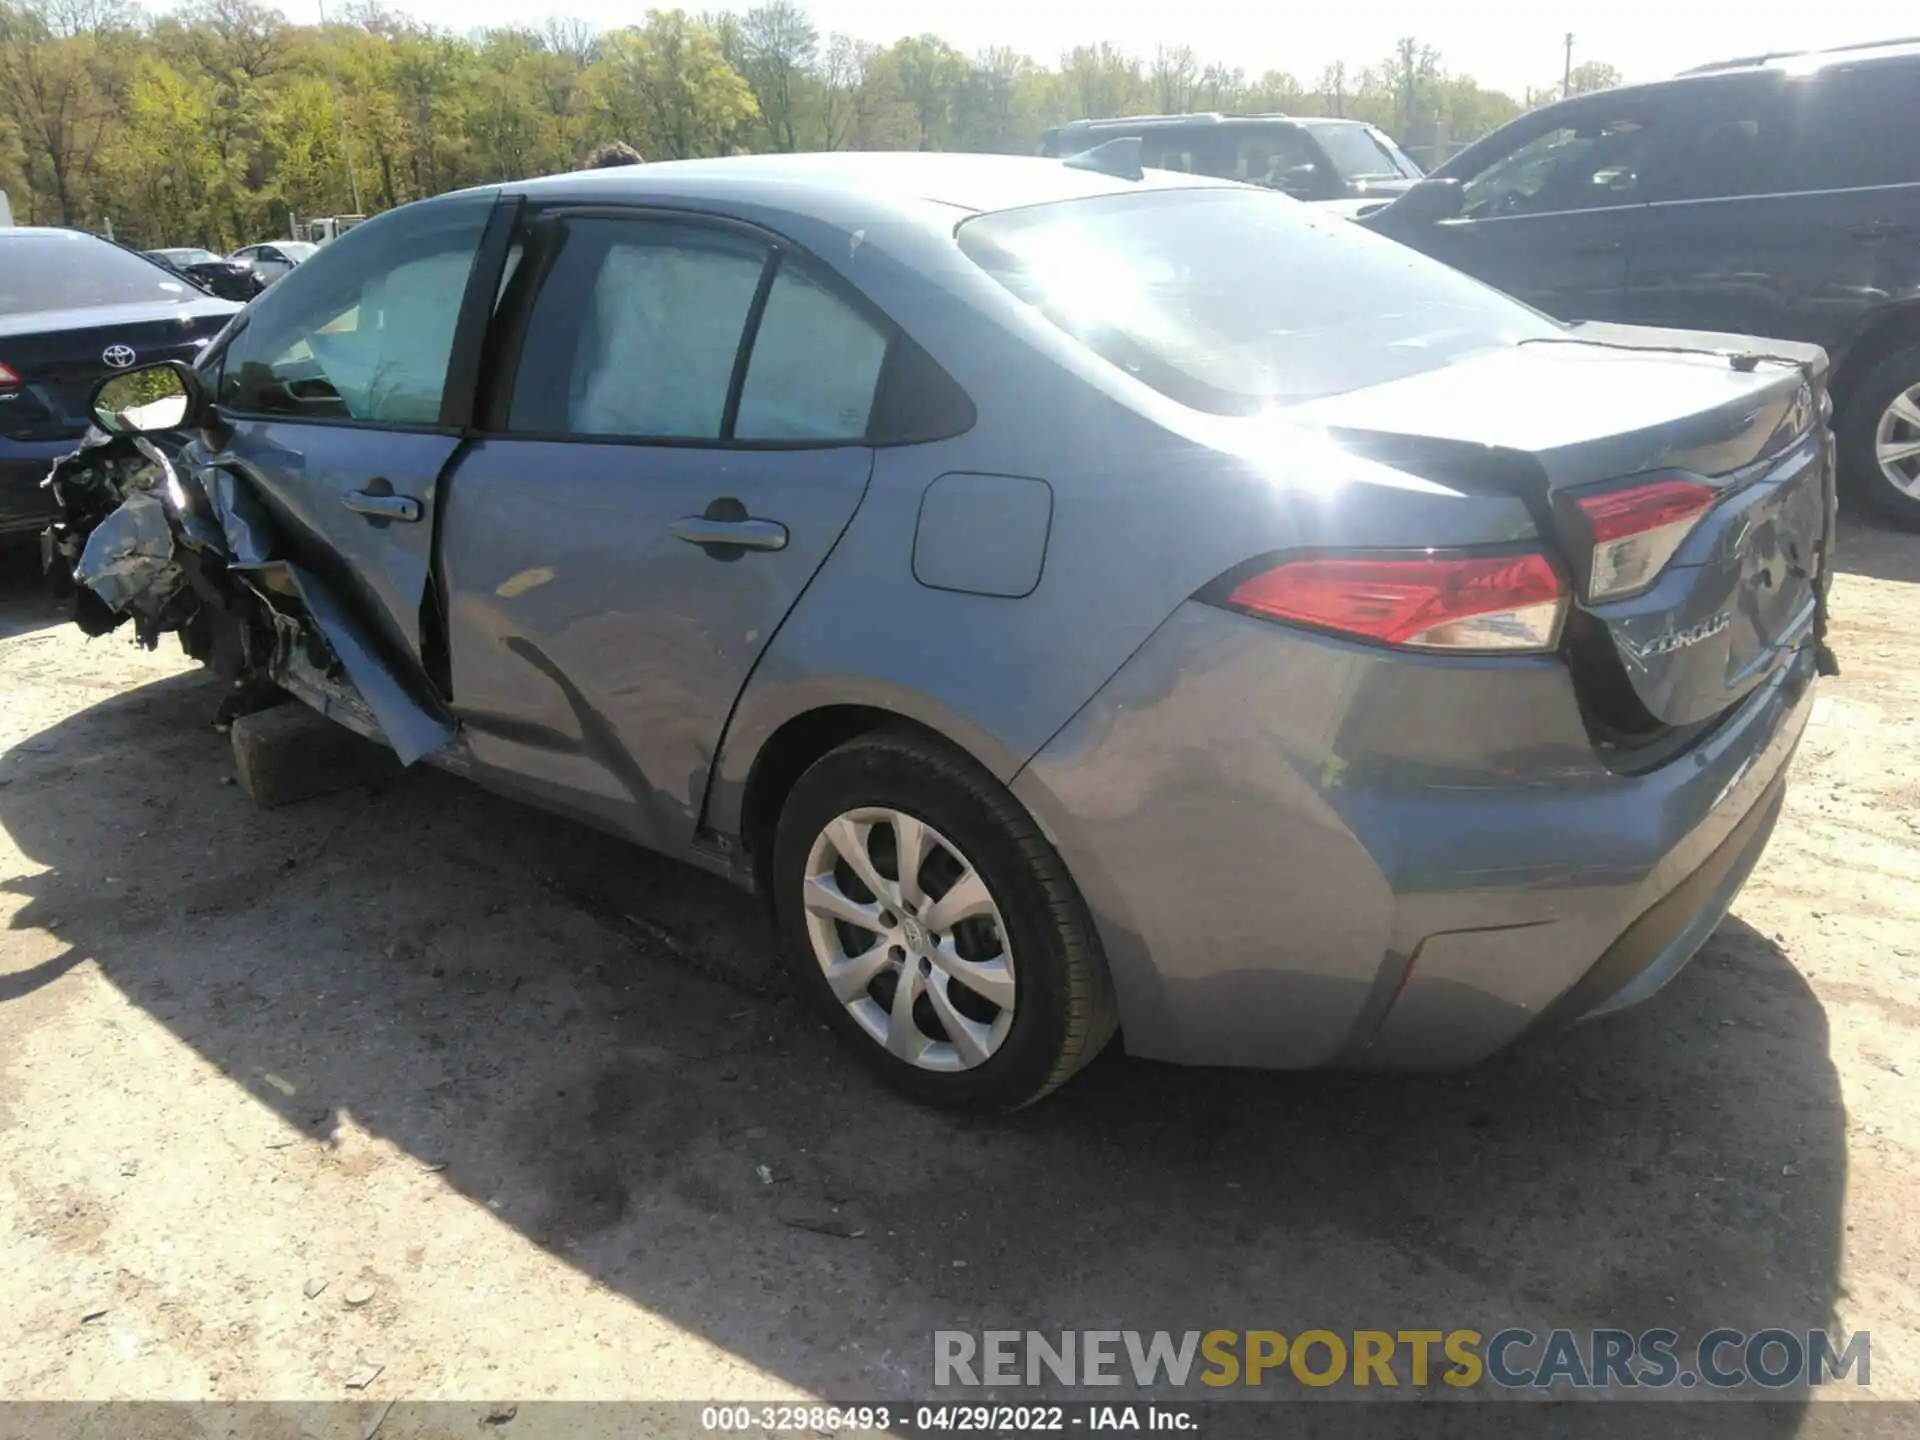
[1309,159]
[1777,196]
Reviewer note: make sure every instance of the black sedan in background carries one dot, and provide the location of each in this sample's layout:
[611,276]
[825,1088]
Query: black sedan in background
[229,279]
[74,308]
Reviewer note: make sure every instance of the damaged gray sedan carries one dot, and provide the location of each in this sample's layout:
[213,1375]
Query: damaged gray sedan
[1081,602]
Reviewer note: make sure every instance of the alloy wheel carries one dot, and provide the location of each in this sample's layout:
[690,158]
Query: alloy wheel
[910,939]
[1896,443]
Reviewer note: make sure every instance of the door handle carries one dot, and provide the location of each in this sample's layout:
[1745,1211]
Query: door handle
[1872,230]
[743,534]
[377,506]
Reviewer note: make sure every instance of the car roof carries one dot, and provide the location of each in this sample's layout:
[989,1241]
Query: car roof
[1207,118]
[49,234]
[1801,61]
[824,183]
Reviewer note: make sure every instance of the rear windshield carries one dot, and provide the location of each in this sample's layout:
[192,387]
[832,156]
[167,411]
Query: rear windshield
[1236,301]
[1360,154]
[77,272]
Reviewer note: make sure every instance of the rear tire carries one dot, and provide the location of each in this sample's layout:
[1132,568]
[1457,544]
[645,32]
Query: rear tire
[1881,418]
[1007,994]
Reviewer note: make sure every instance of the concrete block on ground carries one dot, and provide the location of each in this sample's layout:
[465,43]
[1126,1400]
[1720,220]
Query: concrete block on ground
[290,753]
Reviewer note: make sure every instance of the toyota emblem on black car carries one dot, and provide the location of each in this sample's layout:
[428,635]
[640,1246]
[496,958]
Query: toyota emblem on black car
[118,356]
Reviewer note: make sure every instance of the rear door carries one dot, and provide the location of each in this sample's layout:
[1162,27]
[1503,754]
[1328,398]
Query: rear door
[1552,217]
[1790,206]
[334,402]
[677,437]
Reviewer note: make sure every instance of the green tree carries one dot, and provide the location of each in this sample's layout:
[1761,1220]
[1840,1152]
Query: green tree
[1101,81]
[667,86]
[779,48]
[1593,75]
[214,122]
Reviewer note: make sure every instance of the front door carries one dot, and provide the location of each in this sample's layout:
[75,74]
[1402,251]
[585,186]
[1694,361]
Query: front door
[330,403]
[676,440]
[1552,219]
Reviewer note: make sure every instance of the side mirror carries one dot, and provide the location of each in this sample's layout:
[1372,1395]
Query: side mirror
[167,396]
[1428,202]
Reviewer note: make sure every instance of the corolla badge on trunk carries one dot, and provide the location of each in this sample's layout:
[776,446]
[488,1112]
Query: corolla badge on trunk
[119,356]
[1674,640]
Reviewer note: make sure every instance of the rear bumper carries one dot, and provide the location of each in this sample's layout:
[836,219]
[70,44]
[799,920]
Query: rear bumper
[1301,852]
[25,508]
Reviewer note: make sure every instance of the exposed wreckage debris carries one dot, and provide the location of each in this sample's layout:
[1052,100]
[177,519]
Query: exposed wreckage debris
[149,536]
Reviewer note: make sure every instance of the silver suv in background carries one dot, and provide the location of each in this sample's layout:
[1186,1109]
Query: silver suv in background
[1305,157]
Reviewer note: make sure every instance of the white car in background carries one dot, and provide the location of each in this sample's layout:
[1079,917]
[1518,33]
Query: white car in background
[274,258]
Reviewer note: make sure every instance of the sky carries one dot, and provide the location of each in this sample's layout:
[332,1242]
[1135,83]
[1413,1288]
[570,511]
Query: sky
[1506,46]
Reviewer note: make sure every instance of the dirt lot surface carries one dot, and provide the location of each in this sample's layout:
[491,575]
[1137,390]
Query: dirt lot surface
[424,1081]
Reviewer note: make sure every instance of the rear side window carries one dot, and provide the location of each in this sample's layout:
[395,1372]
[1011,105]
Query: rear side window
[1235,301]
[814,368]
[1589,162]
[652,329]
[635,331]
[1359,152]
[1860,128]
[1280,157]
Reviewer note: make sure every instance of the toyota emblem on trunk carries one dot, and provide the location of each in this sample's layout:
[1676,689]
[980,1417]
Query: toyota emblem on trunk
[118,356]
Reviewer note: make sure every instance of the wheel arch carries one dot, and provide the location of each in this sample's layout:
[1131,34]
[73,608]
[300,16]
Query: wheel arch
[1891,331]
[766,753]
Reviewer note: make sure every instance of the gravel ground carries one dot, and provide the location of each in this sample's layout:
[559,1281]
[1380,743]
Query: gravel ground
[419,1094]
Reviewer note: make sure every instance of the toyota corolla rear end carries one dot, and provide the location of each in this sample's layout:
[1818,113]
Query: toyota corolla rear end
[1490,718]
[73,309]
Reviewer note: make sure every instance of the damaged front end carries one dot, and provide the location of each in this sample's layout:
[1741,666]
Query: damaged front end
[146,535]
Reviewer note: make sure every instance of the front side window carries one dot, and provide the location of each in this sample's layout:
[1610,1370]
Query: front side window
[363,332]
[1237,301]
[1359,152]
[1582,165]
[1278,157]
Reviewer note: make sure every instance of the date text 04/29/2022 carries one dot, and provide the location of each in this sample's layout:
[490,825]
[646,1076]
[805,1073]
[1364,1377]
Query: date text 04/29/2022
[962,1419]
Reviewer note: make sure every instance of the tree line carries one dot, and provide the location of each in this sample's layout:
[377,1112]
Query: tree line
[212,124]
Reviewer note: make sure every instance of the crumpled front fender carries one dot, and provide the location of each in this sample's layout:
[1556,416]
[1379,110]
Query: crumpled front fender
[146,533]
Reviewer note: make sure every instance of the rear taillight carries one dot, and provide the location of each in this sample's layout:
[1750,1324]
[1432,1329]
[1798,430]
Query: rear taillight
[1634,532]
[1434,601]
[9,378]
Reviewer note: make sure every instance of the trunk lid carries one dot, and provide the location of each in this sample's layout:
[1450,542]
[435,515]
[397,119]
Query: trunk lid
[60,355]
[1559,420]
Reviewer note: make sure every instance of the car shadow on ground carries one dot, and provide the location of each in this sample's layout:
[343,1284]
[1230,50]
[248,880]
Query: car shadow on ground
[599,1046]
[1876,550]
[25,605]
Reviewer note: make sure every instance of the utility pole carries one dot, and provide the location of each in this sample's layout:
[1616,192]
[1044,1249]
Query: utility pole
[340,114]
[1566,76]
